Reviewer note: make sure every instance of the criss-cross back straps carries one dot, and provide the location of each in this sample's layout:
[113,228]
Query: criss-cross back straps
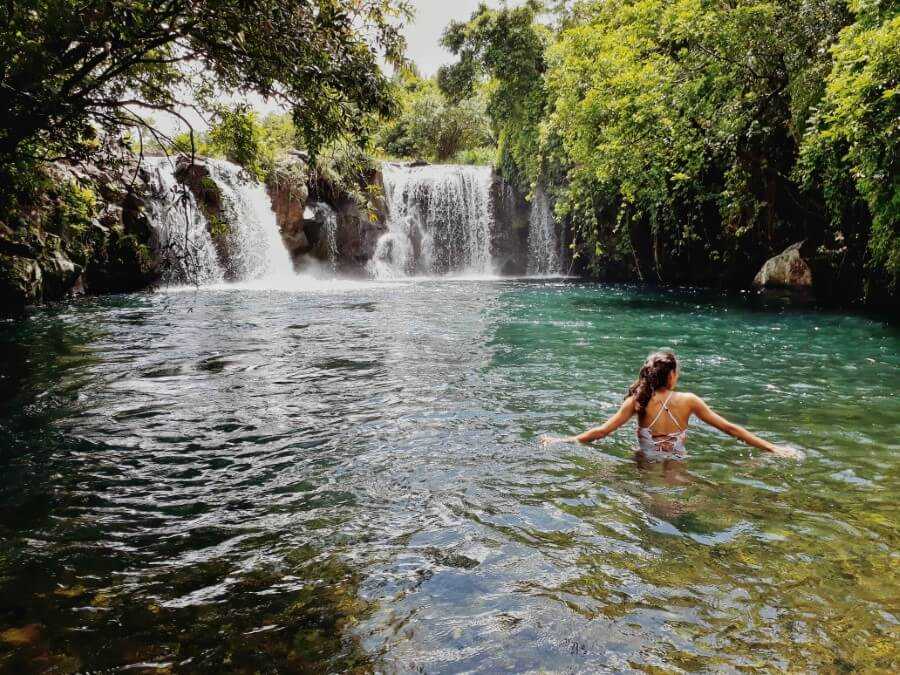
[665,406]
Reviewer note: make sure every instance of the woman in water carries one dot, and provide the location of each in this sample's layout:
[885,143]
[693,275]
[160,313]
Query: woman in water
[663,415]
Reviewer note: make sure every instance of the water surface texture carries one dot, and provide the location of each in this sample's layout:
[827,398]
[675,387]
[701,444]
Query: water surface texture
[349,478]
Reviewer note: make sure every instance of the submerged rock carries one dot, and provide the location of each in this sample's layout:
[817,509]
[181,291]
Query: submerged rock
[787,270]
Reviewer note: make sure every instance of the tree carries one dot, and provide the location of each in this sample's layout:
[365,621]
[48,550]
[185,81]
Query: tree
[681,124]
[851,150]
[506,47]
[431,126]
[69,66]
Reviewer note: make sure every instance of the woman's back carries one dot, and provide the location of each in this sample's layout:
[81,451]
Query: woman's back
[667,412]
[663,414]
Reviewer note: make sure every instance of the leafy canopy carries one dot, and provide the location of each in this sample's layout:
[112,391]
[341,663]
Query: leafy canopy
[852,147]
[504,49]
[430,125]
[67,66]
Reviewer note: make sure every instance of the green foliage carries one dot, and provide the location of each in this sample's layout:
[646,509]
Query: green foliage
[676,118]
[483,155]
[240,136]
[503,50]
[431,126]
[77,207]
[217,226]
[853,143]
[184,144]
[683,140]
[71,67]
[346,171]
[237,136]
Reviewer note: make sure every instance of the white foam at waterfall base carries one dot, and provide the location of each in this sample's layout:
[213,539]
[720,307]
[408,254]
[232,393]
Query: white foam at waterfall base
[439,222]
[254,241]
[181,228]
[543,246]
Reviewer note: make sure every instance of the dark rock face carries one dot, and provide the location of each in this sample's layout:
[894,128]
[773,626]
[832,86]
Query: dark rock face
[303,204]
[358,233]
[87,231]
[509,238]
[288,190]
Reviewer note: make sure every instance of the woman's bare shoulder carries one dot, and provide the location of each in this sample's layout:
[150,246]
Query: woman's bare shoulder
[689,398]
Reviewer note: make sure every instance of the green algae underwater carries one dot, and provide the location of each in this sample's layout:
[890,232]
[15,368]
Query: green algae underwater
[349,480]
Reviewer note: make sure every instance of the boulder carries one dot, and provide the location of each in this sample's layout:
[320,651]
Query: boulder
[21,284]
[789,270]
[357,234]
[59,274]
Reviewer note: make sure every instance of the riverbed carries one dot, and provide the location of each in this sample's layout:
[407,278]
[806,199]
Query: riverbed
[348,476]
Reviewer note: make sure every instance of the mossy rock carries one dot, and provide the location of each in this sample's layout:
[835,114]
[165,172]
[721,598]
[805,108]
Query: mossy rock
[21,284]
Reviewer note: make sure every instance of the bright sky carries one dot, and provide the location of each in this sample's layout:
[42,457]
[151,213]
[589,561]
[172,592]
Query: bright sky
[423,34]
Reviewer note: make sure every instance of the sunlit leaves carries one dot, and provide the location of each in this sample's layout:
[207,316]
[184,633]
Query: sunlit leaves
[854,139]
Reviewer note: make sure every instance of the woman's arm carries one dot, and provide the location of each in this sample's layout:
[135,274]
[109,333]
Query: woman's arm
[625,412]
[714,419]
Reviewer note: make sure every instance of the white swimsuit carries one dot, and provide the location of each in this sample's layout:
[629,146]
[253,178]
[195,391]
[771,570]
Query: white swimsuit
[665,446]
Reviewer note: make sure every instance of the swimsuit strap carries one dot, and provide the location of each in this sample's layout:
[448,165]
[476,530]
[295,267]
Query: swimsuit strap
[665,406]
[674,421]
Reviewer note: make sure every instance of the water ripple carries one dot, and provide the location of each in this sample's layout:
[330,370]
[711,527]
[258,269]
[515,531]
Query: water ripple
[349,479]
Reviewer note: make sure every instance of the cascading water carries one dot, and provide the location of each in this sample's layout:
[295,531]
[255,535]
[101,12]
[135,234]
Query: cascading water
[439,221]
[254,241]
[543,246]
[323,214]
[184,240]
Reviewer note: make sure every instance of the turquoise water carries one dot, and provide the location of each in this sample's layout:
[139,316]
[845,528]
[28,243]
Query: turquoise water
[350,479]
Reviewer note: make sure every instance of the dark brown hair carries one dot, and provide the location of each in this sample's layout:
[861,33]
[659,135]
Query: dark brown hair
[654,375]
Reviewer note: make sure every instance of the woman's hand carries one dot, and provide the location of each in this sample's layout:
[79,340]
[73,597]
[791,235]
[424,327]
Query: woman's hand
[788,452]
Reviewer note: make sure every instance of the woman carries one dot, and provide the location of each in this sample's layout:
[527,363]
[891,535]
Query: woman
[663,415]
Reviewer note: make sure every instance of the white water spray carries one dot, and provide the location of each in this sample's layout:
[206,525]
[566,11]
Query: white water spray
[439,222]
[251,239]
[543,246]
[181,227]
[256,249]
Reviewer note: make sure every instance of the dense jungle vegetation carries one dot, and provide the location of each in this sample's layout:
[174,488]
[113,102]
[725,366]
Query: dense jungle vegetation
[76,74]
[680,141]
[687,140]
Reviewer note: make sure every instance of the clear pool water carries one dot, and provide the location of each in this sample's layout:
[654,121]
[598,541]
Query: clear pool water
[349,478]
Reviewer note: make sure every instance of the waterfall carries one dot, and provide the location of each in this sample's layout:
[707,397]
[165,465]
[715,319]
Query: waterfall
[323,214]
[543,246]
[182,230]
[439,221]
[254,241]
[254,246]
